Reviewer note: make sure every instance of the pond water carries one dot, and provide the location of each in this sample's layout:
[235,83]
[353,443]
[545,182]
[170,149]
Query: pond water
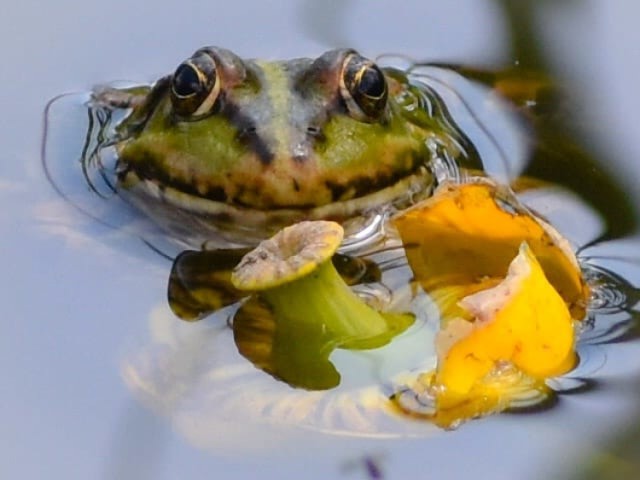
[85,300]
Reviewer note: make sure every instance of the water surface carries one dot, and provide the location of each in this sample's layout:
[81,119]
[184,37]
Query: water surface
[79,296]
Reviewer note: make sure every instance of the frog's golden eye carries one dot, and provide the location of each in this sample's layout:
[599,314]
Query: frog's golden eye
[363,88]
[195,86]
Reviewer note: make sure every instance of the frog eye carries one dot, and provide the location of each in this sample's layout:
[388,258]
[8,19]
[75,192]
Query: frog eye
[195,86]
[363,88]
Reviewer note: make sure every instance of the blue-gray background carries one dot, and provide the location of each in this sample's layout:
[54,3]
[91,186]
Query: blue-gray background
[71,300]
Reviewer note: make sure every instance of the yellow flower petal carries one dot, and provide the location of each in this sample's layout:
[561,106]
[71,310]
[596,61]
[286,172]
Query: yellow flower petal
[522,320]
[509,289]
[466,233]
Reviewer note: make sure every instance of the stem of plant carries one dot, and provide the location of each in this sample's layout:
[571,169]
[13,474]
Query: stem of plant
[322,297]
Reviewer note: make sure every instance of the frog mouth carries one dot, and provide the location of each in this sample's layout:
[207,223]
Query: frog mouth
[196,219]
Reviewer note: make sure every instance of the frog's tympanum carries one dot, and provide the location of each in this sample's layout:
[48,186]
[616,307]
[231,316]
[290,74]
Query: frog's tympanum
[226,143]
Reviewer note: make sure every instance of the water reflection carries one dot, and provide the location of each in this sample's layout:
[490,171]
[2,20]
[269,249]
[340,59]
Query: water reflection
[193,374]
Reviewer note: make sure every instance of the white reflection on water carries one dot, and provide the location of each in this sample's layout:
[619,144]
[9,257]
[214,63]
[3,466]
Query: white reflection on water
[193,374]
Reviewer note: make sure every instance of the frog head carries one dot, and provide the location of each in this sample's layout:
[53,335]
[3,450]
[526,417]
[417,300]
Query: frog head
[255,142]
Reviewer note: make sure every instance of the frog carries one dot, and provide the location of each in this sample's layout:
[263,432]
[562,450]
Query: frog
[234,149]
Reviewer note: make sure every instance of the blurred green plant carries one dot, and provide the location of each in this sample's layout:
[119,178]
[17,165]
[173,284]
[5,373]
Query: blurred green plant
[564,152]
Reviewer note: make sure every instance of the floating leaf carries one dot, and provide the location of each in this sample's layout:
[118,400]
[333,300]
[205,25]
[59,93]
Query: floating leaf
[200,282]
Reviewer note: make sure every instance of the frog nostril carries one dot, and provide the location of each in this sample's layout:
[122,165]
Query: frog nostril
[247,132]
[249,136]
[315,132]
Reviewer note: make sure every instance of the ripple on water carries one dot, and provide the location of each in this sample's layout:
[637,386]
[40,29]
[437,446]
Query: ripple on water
[79,161]
[615,301]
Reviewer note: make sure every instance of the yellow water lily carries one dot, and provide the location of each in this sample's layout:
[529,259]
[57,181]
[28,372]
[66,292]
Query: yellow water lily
[509,290]
[522,320]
